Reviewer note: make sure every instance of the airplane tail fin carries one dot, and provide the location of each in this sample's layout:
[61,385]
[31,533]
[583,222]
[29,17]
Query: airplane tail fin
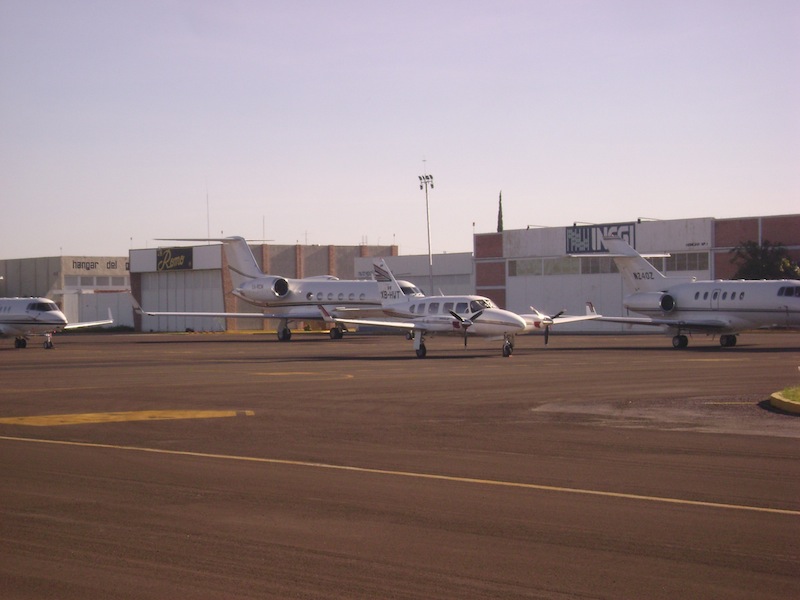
[389,290]
[638,275]
[241,262]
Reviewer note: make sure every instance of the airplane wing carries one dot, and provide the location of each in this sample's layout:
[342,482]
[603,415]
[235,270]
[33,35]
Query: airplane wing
[710,325]
[109,321]
[539,320]
[291,313]
[405,325]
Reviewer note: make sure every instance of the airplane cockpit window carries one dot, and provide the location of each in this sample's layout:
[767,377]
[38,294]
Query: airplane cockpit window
[790,291]
[411,290]
[477,305]
[43,306]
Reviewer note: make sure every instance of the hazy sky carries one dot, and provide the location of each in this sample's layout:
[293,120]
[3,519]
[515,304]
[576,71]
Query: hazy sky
[310,121]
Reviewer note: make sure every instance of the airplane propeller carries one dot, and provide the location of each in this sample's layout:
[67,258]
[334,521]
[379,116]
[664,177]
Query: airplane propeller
[466,323]
[547,327]
[546,321]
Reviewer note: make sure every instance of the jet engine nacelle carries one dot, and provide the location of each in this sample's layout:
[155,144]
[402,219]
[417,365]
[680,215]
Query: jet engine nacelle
[650,302]
[265,289]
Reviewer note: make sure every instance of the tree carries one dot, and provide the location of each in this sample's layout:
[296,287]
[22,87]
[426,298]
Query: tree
[500,214]
[764,261]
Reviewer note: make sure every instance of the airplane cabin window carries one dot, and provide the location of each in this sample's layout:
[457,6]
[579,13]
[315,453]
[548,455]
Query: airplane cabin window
[696,295]
[741,295]
[448,306]
[724,295]
[433,308]
[411,309]
[705,296]
[461,307]
[714,297]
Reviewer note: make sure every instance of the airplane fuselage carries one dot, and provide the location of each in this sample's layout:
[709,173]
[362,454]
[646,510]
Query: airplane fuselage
[341,298]
[736,305]
[434,315]
[22,317]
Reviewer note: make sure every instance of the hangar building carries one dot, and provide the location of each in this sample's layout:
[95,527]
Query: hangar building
[83,287]
[192,279]
[557,268]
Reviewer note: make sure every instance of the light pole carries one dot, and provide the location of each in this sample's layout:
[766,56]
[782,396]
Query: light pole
[424,182]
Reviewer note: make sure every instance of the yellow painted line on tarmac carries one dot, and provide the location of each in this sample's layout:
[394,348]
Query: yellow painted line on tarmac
[417,475]
[119,417]
[726,403]
[306,375]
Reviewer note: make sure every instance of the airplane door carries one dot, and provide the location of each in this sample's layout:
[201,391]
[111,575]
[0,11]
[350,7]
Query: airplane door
[715,299]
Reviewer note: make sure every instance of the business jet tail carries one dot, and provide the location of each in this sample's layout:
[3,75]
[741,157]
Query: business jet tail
[638,275]
[241,262]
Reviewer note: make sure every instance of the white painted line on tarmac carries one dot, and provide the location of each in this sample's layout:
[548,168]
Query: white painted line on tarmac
[415,475]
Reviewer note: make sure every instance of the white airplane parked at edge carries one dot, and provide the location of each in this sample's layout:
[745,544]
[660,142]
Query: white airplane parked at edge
[711,307]
[291,299]
[26,317]
[461,315]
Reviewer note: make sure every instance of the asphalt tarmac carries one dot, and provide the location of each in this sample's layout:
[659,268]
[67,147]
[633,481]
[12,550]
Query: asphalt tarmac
[235,466]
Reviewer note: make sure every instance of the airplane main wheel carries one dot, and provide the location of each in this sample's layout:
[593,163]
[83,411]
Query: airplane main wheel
[336,333]
[284,335]
[680,341]
[727,341]
[20,343]
[421,351]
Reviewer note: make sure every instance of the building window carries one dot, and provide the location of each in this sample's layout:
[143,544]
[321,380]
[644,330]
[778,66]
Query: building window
[598,265]
[567,265]
[686,261]
[525,267]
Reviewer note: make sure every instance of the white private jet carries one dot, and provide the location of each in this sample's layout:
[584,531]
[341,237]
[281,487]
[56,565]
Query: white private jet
[291,299]
[711,307]
[464,316]
[26,317]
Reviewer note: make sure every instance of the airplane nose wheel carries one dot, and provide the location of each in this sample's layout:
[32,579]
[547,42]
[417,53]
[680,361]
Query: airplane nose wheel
[508,348]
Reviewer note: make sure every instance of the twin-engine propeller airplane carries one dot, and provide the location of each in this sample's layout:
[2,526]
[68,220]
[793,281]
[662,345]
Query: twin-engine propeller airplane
[723,308]
[464,316]
[288,299]
[26,317]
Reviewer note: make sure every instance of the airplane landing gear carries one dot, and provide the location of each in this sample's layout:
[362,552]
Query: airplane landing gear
[337,333]
[48,341]
[508,346]
[284,334]
[419,344]
[727,341]
[20,342]
[680,341]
